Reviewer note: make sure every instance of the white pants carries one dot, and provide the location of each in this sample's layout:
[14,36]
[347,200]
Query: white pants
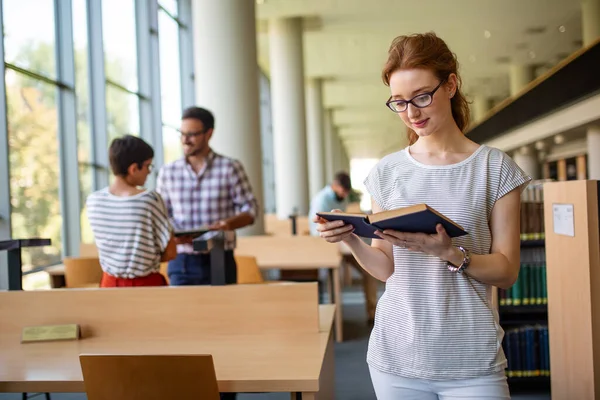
[392,387]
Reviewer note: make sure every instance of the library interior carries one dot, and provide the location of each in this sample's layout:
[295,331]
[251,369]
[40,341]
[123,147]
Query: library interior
[186,146]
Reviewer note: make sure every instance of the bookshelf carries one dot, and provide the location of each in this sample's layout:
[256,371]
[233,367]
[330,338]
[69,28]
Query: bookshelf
[573,261]
[523,308]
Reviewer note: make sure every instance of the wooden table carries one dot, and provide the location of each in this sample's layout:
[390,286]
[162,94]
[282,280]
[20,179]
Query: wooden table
[291,357]
[298,253]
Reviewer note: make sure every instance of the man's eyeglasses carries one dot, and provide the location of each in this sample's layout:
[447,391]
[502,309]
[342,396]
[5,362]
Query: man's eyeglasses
[420,101]
[191,134]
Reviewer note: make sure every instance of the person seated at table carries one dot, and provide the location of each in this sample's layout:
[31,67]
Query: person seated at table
[130,224]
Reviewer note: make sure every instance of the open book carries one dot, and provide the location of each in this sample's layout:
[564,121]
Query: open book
[419,218]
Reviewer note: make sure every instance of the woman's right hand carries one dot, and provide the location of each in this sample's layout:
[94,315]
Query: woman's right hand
[333,231]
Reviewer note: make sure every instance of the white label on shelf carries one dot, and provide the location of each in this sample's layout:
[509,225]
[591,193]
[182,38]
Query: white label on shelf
[563,219]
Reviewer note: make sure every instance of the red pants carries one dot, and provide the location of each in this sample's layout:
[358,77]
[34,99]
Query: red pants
[154,279]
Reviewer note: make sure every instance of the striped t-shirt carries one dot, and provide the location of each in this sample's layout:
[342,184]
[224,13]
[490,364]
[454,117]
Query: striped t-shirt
[432,323]
[131,232]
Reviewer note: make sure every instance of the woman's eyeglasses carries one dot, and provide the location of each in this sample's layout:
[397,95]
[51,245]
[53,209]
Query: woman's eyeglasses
[420,101]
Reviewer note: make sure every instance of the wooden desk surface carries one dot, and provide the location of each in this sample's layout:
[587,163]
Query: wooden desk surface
[243,363]
[289,252]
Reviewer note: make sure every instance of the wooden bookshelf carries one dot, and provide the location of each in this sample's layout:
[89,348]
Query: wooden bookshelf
[523,308]
[573,281]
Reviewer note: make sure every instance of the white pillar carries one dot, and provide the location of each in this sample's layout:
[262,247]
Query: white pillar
[337,152]
[315,136]
[520,76]
[590,24]
[593,152]
[329,136]
[481,105]
[226,72]
[526,158]
[289,127]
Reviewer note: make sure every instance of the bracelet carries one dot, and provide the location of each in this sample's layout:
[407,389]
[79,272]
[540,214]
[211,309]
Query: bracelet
[465,262]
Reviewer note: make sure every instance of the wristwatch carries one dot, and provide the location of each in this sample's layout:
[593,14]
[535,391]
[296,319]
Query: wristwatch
[465,262]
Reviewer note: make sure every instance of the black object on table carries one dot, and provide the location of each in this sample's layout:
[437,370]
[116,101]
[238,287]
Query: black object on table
[222,268]
[13,247]
[294,219]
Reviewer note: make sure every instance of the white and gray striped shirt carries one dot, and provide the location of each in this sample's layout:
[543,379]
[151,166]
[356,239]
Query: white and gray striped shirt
[131,232]
[431,323]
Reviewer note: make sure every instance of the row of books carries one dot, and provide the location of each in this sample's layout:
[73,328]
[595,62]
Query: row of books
[530,287]
[532,212]
[527,351]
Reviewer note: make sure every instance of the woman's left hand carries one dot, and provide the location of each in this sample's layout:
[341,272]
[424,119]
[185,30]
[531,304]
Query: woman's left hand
[437,244]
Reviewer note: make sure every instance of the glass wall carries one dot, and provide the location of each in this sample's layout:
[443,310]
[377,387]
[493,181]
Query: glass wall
[92,99]
[32,89]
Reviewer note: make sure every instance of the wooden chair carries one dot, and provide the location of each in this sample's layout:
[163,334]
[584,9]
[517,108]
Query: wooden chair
[149,377]
[82,272]
[247,270]
[164,266]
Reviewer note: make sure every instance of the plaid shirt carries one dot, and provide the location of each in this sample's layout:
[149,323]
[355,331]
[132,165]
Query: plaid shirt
[219,191]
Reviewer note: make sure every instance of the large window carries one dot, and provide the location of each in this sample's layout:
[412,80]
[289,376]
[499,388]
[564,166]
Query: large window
[170,78]
[32,126]
[121,66]
[77,76]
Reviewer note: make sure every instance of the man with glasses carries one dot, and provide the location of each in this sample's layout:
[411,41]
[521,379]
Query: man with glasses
[203,189]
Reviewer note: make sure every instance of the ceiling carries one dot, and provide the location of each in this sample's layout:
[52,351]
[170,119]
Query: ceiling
[346,43]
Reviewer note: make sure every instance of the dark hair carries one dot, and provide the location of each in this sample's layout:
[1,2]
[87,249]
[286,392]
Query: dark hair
[201,114]
[343,179]
[128,150]
[427,51]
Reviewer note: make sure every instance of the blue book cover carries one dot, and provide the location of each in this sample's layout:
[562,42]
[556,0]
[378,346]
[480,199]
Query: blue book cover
[419,218]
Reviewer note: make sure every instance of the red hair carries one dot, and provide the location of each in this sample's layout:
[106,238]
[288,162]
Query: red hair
[427,51]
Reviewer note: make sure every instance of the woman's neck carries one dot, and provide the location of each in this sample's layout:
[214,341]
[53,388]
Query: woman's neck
[446,140]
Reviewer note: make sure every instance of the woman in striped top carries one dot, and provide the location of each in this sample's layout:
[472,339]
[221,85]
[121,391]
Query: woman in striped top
[130,225]
[436,333]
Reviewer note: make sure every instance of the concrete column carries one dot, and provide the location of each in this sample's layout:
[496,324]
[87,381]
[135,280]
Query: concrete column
[289,126]
[226,72]
[315,136]
[338,162]
[590,24]
[481,105]
[520,76]
[329,136]
[593,152]
[526,158]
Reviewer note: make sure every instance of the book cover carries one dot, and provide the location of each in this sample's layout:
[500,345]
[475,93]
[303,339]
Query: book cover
[419,218]
[201,230]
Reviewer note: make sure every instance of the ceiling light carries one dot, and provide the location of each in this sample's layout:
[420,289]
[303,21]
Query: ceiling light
[559,139]
[540,145]
[562,29]
[531,54]
[487,34]
[525,150]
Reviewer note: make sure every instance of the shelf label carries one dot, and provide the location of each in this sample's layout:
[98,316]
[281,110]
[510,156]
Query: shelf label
[563,219]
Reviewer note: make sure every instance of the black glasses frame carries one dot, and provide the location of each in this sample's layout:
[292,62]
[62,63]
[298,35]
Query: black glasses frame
[390,102]
[192,134]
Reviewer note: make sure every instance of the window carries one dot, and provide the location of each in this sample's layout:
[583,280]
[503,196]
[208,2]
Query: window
[31,94]
[170,77]
[56,111]
[120,63]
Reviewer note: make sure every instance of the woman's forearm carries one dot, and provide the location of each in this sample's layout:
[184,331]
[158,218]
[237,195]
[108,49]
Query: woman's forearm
[493,269]
[371,259]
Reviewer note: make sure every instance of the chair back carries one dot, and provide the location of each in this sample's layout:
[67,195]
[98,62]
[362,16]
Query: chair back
[82,271]
[247,270]
[149,377]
